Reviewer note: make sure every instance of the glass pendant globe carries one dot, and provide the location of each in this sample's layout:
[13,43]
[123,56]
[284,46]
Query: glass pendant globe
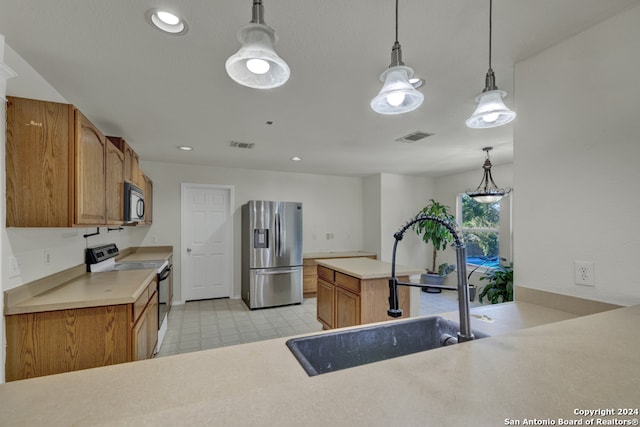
[491,111]
[397,95]
[258,41]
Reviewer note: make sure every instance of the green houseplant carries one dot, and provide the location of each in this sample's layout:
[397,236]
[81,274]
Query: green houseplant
[500,286]
[439,237]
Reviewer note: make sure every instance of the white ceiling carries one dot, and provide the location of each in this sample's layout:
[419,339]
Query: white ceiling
[159,91]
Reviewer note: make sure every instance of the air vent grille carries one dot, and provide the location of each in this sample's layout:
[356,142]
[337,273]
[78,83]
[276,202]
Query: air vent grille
[414,136]
[247,145]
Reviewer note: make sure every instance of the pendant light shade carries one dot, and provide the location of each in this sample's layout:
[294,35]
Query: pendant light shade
[491,111]
[397,95]
[256,64]
[487,191]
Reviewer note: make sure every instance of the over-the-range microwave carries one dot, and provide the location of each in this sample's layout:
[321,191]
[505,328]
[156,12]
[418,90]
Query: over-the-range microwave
[133,203]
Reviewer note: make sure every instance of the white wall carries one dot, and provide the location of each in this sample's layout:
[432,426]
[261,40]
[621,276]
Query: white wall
[402,198]
[331,204]
[371,220]
[576,168]
[65,245]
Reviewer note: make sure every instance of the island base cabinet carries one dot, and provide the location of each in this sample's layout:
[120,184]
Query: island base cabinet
[326,303]
[344,300]
[347,308]
[53,342]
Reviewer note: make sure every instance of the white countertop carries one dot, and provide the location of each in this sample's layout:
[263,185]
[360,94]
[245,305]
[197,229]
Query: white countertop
[367,268]
[542,372]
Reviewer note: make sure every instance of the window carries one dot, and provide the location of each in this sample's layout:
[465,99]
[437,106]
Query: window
[480,227]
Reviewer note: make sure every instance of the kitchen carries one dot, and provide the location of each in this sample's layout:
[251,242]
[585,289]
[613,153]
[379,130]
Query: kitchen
[555,214]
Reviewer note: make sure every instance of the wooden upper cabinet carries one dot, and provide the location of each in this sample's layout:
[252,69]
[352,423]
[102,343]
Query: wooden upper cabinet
[61,170]
[114,184]
[90,173]
[132,171]
[39,163]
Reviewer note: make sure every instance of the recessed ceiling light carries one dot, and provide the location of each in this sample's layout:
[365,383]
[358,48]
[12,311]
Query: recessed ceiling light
[185,148]
[296,158]
[166,22]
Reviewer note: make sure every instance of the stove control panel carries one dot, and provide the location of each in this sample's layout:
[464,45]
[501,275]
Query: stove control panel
[100,253]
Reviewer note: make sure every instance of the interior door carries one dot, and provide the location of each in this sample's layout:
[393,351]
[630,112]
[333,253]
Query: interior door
[207,230]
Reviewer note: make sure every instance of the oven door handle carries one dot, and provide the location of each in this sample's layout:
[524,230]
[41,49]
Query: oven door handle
[164,274]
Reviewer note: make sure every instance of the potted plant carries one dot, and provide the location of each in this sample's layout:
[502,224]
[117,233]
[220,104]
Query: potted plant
[500,286]
[439,237]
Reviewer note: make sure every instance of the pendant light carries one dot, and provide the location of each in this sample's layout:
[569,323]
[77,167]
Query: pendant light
[256,64]
[491,111]
[488,191]
[397,95]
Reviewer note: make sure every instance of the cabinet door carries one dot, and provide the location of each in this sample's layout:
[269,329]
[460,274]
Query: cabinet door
[326,304]
[152,325]
[90,173]
[140,337]
[148,200]
[39,161]
[347,308]
[114,184]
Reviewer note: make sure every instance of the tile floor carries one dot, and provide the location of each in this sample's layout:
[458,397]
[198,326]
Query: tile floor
[201,325]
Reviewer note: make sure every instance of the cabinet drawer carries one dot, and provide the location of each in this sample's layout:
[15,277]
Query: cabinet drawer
[348,282]
[326,273]
[141,302]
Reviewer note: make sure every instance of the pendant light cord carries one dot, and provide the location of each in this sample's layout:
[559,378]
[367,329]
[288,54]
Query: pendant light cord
[397,21]
[490,28]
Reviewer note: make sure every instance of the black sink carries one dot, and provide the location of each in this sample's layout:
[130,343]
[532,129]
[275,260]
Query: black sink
[342,349]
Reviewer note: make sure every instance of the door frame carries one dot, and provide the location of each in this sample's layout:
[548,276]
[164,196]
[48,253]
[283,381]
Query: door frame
[183,253]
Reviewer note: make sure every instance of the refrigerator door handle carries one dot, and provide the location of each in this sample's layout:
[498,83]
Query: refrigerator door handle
[278,236]
[269,273]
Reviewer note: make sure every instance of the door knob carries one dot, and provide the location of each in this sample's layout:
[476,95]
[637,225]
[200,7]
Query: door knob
[189,250]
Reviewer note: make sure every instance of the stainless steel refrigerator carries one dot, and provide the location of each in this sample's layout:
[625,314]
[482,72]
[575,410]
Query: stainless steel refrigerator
[271,253]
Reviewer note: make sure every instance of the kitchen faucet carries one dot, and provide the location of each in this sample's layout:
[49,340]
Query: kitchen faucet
[465,333]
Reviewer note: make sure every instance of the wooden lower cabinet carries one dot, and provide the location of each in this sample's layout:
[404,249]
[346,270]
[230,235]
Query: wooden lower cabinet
[52,342]
[326,303]
[145,331]
[347,308]
[344,300]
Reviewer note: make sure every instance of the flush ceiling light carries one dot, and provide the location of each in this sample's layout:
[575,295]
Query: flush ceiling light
[185,148]
[256,64]
[491,111]
[166,22]
[488,191]
[397,95]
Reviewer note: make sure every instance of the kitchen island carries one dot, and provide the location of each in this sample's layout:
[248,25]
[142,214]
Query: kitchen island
[546,372]
[355,291]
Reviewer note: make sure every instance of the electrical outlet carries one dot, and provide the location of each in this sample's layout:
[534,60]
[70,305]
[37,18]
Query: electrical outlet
[14,267]
[46,256]
[583,272]
[154,239]
[329,236]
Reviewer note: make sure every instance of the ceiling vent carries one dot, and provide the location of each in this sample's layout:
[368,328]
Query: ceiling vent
[236,144]
[414,136]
